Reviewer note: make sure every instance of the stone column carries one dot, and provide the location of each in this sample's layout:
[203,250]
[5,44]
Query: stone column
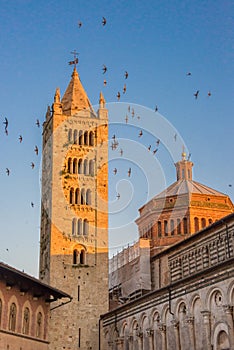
[110,344]
[150,334]
[190,322]
[163,329]
[176,326]
[206,320]
[120,343]
[228,309]
[140,339]
[130,342]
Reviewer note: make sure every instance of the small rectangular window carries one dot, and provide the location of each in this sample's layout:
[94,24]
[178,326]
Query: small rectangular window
[79,335]
[78,293]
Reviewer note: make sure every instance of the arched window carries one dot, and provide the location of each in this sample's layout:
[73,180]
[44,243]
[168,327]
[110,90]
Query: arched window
[82,199]
[91,138]
[172,227]
[86,138]
[203,222]
[165,228]
[80,137]
[73,227]
[69,165]
[159,229]
[74,169]
[88,197]
[75,256]
[77,196]
[71,197]
[79,227]
[80,162]
[91,167]
[39,325]
[12,317]
[185,226]
[196,224]
[82,257]
[0,311]
[26,321]
[85,227]
[178,227]
[86,166]
[69,135]
[210,221]
[75,137]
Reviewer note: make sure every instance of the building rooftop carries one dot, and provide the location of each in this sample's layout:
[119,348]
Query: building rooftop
[25,282]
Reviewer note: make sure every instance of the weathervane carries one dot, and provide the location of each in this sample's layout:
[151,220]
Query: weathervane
[75,61]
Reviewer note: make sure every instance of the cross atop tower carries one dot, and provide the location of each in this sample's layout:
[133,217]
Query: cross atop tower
[75,61]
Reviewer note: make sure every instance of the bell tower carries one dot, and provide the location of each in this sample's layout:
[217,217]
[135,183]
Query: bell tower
[74,215]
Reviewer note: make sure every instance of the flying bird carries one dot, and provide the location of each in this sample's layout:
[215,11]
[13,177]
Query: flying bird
[126,75]
[38,123]
[8,171]
[196,94]
[104,69]
[103,21]
[157,142]
[20,138]
[175,137]
[155,150]
[209,94]
[133,112]
[32,165]
[121,152]
[124,89]
[118,95]
[149,148]
[189,73]
[118,196]
[6,131]
[129,172]
[6,123]
[36,150]
[113,137]
[79,24]
[140,133]
[156,108]
[129,109]
[115,171]
[126,119]
[32,204]
[104,82]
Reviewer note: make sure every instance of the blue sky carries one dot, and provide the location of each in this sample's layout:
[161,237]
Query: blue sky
[157,42]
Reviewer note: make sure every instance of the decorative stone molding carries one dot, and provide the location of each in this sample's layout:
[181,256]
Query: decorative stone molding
[130,338]
[175,323]
[139,334]
[149,332]
[162,327]
[206,316]
[190,320]
[228,309]
[119,341]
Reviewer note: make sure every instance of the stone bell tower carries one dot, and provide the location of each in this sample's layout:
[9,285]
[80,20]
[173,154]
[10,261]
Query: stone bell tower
[74,215]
